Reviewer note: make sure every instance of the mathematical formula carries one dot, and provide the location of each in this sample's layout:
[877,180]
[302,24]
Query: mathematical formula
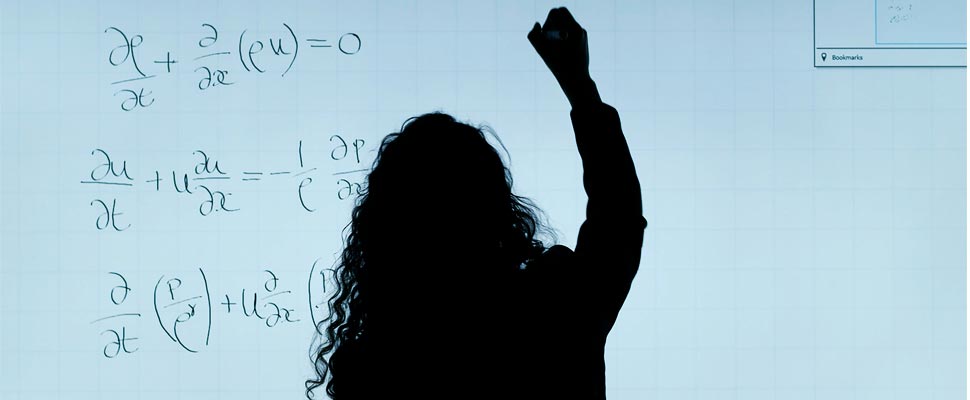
[210,180]
[899,11]
[185,307]
[255,54]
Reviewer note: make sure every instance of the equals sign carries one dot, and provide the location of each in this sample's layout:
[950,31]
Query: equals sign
[252,174]
[312,41]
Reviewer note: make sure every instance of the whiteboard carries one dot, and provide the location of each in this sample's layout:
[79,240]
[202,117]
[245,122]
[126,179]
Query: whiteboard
[807,227]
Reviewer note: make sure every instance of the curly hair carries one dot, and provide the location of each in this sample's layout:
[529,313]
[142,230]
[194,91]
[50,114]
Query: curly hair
[474,183]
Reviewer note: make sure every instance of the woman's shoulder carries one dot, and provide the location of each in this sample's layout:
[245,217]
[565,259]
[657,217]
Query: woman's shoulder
[557,256]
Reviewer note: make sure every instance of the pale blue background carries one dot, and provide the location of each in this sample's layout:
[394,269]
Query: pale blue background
[807,226]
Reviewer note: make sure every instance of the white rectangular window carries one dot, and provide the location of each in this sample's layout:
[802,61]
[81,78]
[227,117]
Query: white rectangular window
[890,33]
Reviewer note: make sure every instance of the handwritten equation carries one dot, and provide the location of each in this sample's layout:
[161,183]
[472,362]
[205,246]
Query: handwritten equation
[186,308]
[209,180]
[899,11]
[254,54]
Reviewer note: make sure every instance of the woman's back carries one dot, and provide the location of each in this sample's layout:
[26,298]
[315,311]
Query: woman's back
[538,334]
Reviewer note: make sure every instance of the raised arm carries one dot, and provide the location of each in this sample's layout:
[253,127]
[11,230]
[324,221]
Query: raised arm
[611,237]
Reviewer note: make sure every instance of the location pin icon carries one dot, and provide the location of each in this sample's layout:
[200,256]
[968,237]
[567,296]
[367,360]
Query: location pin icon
[824,55]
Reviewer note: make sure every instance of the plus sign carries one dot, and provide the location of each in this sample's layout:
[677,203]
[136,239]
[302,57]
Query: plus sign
[168,62]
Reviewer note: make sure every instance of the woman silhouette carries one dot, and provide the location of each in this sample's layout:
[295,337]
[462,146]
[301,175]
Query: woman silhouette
[450,294]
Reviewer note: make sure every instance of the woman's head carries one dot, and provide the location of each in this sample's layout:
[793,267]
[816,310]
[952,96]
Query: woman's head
[436,183]
[436,227]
